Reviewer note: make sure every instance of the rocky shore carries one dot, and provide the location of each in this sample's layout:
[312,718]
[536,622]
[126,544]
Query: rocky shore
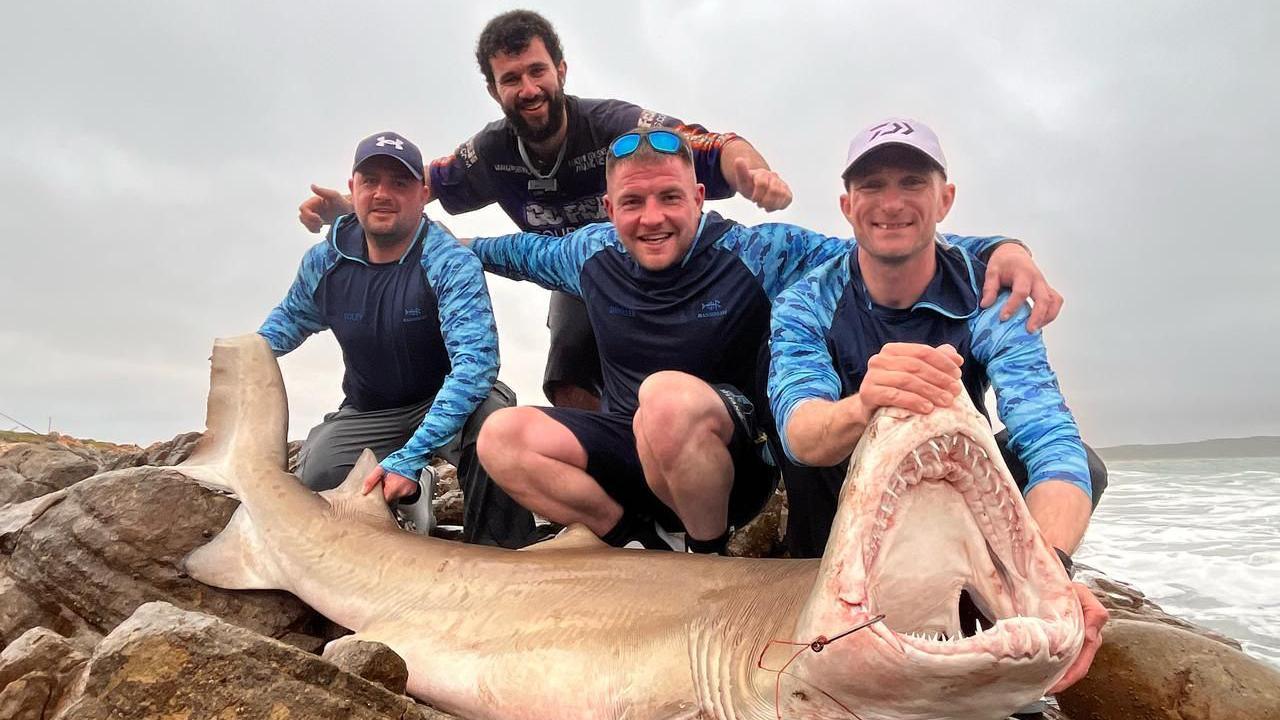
[97,619]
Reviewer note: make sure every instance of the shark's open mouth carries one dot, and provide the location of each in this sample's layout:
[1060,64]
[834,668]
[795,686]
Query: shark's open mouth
[948,559]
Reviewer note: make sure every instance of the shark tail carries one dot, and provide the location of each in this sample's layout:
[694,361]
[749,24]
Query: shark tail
[247,419]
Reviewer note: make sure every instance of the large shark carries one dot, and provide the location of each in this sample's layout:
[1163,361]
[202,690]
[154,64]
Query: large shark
[575,629]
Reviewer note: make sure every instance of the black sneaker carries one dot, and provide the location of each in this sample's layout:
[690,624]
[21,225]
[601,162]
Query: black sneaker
[715,546]
[651,536]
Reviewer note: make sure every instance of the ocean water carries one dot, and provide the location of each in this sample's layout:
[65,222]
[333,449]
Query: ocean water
[1201,538]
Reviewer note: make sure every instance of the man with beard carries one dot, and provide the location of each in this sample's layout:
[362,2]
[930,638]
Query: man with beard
[544,164]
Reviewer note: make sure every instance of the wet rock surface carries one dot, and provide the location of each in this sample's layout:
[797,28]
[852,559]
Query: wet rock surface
[170,663]
[1154,671]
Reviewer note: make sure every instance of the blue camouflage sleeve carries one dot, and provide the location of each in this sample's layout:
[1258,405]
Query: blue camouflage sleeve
[297,317]
[974,245]
[553,262]
[1042,431]
[471,339]
[800,364]
[778,254]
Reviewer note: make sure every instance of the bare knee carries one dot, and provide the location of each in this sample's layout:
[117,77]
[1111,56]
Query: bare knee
[503,437]
[677,410]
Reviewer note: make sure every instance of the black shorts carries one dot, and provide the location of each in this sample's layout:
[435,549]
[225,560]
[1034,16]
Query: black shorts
[612,460]
[572,358]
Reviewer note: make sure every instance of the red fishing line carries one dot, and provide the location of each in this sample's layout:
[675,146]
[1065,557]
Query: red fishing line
[816,645]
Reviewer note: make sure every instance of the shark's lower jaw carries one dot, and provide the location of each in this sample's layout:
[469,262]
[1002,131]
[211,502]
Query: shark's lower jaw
[950,529]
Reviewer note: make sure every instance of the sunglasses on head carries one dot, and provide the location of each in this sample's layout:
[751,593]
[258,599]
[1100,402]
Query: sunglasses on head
[663,141]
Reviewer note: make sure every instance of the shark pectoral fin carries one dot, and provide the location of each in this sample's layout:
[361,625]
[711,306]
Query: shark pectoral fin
[348,500]
[355,479]
[574,537]
[234,559]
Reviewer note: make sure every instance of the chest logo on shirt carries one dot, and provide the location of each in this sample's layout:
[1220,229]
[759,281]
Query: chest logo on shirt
[593,159]
[353,316]
[623,311]
[712,309]
[413,315]
[578,213]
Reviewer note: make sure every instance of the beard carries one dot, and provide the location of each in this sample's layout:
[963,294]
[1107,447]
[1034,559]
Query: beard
[555,117]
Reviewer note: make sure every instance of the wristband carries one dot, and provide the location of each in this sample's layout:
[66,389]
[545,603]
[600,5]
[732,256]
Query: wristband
[985,255]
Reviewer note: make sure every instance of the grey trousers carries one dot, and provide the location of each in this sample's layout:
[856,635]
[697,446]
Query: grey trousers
[490,516]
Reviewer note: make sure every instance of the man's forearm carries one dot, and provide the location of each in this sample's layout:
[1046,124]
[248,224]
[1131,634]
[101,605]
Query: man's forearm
[1062,510]
[736,149]
[821,433]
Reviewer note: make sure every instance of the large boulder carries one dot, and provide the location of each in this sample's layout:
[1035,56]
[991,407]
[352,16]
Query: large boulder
[29,470]
[1153,671]
[167,663]
[110,543]
[35,672]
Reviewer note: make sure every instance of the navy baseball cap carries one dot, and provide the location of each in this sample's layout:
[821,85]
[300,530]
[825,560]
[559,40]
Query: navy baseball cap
[393,145]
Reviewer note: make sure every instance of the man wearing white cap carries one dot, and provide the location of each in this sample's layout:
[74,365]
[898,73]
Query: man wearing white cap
[896,321]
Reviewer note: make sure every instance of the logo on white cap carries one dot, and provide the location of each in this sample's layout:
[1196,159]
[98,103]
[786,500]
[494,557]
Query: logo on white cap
[890,128]
[383,142]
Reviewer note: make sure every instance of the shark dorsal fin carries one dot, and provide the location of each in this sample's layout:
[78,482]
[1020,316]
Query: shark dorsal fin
[574,537]
[348,499]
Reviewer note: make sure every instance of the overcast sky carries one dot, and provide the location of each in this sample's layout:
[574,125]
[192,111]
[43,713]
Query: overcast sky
[154,154]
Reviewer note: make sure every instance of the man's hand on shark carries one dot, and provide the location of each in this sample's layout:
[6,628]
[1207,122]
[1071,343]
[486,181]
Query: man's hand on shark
[394,486]
[1095,616]
[1011,266]
[911,376]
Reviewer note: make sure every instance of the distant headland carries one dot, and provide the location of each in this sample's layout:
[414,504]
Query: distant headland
[1258,446]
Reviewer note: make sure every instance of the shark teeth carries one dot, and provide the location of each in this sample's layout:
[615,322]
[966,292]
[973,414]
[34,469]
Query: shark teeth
[1015,638]
[964,463]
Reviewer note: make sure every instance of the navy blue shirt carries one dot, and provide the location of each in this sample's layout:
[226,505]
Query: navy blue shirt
[488,168]
[410,331]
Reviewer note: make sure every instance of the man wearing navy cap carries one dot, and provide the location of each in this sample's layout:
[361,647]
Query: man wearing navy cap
[411,312]
[895,321]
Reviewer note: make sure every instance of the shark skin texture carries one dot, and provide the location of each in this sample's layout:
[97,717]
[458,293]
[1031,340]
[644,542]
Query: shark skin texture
[575,629]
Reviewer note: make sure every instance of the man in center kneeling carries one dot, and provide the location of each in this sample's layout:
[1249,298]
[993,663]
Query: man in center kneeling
[680,302]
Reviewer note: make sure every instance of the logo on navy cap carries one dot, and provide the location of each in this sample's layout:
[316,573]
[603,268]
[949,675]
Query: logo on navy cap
[393,145]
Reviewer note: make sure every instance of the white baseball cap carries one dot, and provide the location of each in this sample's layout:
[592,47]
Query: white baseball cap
[896,131]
